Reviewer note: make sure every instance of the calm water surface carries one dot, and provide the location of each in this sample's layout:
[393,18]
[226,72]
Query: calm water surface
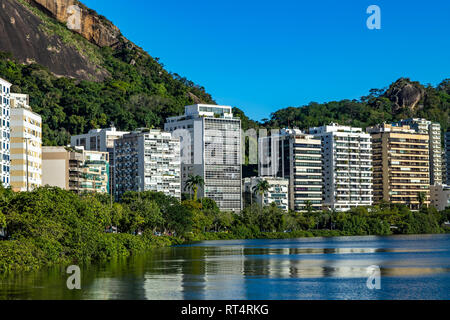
[412,267]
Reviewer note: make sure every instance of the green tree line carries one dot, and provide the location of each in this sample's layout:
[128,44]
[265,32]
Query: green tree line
[50,225]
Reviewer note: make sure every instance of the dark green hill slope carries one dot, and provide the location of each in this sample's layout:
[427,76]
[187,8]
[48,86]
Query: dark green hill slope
[80,84]
[402,99]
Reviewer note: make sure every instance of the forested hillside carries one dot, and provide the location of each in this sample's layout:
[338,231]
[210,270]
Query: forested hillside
[134,89]
[401,100]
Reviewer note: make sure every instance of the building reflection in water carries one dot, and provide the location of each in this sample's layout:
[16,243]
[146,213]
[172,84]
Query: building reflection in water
[245,272]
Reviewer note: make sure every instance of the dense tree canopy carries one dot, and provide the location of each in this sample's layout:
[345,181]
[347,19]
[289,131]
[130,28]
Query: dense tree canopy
[377,107]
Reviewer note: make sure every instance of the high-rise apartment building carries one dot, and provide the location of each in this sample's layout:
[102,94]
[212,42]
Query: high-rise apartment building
[297,157]
[347,166]
[277,192]
[211,148]
[433,129]
[26,145]
[447,157]
[5,132]
[100,140]
[147,160]
[75,169]
[401,165]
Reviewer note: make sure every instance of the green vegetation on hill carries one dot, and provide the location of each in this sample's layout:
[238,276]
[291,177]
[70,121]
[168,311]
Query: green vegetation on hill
[381,105]
[132,97]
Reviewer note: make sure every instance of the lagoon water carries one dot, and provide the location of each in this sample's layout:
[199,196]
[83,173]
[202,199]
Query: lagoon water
[412,267]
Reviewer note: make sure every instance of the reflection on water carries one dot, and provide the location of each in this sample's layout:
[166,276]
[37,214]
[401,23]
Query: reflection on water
[412,267]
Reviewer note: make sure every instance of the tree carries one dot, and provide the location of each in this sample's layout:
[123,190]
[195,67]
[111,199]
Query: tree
[308,206]
[422,197]
[193,183]
[261,187]
[2,220]
[179,219]
[272,219]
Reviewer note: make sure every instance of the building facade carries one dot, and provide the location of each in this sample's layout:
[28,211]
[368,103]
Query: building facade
[5,133]
[211,148]
[75,169]
[401,165]
[347,166]
[277,193]
[26,145]
[440,196]
[147,160]
[297,157]
[100,140]
[447,157]
[433,129]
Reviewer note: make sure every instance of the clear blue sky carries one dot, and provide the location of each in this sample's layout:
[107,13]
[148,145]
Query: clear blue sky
[263,55]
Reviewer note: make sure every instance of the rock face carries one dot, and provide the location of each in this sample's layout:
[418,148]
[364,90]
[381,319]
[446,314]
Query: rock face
[92,27]
[405,94]
[21,34]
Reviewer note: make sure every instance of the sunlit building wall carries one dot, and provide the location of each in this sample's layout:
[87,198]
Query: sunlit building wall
[401,165]
[5,133]
[347,166]
[211,147]
[147,160]
[26,137]
[296,156]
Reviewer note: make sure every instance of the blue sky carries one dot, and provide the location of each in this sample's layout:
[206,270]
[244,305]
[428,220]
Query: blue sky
[263,55]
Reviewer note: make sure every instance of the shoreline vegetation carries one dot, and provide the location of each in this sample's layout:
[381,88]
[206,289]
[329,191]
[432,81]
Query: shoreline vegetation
[51,226]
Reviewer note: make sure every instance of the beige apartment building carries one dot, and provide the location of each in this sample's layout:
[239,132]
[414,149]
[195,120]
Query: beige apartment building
[75,169]
[433,129]
[400,165]
[26,145]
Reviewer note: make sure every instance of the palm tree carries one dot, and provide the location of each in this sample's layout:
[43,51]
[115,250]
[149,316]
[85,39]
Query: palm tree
[422,198]
[308,206]
[261,187]
[193,183]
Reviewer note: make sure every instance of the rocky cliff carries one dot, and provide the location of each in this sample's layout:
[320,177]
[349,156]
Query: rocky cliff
[92,27]
[405,94]
[31,35]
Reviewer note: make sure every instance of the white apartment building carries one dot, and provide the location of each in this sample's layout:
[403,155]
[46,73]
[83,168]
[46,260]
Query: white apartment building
[433,129]
[5,132]
[440,196]
[147,160]
[296,156]
[446,156]
[100,140]
[347,166]
[26,145]
[211,148]
[277,193]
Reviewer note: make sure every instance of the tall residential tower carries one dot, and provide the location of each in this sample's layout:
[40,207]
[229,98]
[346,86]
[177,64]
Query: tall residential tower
[147,160]
[295,156]
[447,158]
[401,165]
[26,145]
[5,132]
[433,130]
[347,166]
[211,148]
